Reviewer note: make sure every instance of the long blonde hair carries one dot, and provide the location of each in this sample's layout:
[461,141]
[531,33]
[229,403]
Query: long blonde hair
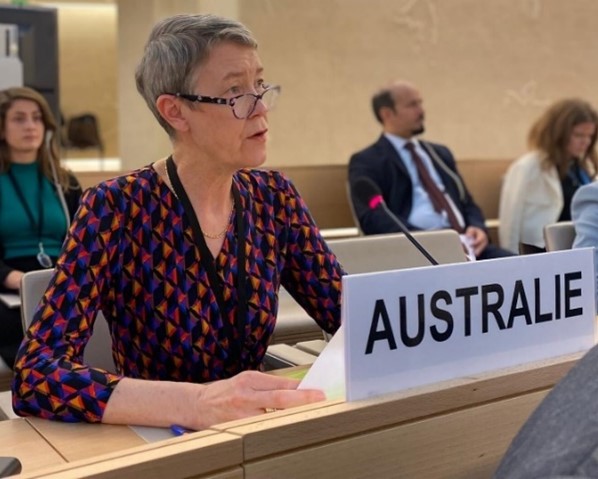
[47,155]
[551,133]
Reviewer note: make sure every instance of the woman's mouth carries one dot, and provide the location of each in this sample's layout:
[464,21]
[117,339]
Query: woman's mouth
[260,135]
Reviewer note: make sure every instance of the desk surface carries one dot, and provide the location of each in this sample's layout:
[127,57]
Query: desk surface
[454,429]
[104,451]
[40,443]
[458,428]
[81,441]
[19,439]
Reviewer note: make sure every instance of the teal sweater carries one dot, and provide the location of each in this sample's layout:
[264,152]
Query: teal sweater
[18,236]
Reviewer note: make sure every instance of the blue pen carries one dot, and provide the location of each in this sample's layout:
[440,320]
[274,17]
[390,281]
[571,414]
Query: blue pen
[179,430]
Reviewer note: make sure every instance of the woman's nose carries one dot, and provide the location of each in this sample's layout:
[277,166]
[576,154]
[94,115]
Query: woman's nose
[260,108]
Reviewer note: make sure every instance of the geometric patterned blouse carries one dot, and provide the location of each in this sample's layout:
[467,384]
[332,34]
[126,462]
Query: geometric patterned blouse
[131,253]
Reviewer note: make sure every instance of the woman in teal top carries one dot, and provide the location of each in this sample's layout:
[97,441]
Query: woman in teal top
[37,200]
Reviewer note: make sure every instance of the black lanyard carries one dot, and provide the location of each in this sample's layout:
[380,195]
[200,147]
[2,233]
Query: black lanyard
[208,262]
[40,204]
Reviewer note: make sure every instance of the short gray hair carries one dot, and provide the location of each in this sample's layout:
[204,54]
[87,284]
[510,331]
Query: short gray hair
[176,47]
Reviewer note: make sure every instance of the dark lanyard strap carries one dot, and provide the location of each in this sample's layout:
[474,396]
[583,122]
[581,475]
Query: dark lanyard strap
[207,260]
[40,203]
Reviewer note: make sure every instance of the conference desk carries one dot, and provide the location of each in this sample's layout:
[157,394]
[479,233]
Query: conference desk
[19,439]
[59,450]
[455,429]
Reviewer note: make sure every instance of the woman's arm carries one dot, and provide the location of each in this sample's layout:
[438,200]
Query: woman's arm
[51,380]
[311,273]
[584,213]
[198,406]
[13,279]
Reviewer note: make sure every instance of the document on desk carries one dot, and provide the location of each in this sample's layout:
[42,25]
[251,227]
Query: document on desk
[153,434]
[327,373]
[11,300]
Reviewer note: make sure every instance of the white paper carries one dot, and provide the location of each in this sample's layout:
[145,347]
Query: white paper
[327,373]
[11,300]
[153,434]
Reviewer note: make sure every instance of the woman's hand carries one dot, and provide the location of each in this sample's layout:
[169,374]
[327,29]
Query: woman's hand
[13,280]
[248,394]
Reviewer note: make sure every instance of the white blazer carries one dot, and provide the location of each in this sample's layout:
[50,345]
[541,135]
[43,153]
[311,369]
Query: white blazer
[531,197]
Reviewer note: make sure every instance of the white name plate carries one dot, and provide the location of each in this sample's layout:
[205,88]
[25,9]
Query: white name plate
[413,327]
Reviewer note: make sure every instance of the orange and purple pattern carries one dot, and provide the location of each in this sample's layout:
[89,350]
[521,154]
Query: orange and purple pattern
[131,253]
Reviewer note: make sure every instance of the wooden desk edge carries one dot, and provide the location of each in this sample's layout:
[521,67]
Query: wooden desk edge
[326,421]
[182,457]
[227,446]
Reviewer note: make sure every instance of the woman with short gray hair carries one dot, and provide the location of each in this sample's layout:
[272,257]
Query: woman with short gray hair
[183,257]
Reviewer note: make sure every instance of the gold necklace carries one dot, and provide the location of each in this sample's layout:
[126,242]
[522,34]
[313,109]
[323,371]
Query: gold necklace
[216,236]
[207,235]
[223,232]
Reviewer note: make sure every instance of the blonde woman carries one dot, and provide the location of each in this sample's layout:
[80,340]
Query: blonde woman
[538,187]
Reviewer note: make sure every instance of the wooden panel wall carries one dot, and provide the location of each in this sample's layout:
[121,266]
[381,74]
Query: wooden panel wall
[323,187]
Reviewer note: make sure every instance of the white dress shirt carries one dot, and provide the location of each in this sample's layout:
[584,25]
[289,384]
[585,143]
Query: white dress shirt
[423,215]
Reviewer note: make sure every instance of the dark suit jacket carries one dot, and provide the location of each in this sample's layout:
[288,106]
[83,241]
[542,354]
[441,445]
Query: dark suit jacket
[382,164]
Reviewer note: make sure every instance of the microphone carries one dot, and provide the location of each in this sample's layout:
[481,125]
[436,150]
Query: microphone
[367,194]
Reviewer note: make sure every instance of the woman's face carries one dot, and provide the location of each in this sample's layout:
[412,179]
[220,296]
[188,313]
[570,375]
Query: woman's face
[581,139]
[229,71]
[24,130]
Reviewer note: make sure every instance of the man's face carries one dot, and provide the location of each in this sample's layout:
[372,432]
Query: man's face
[407,118]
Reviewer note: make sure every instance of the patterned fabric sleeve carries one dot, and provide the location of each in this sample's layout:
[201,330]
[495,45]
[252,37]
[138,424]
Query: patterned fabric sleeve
[312,274]
[51,380]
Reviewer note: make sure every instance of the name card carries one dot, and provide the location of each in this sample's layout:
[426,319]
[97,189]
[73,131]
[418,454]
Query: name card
[418,326]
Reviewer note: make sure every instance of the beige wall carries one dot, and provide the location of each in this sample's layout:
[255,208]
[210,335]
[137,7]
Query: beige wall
[486,68]
[88,68]
[142,140]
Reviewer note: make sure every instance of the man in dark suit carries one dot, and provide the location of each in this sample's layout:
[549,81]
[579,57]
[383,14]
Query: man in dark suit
[404,168]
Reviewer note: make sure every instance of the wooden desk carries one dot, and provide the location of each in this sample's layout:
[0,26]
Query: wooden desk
[58,450]
[19,439]
[82,441]
[454,429]
[201,455]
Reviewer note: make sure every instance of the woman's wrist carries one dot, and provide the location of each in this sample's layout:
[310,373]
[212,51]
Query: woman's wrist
[154,403]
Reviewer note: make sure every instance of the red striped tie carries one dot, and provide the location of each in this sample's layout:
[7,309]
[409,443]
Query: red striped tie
[437,197]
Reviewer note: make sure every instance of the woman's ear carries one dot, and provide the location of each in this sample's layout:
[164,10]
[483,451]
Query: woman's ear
[169,107]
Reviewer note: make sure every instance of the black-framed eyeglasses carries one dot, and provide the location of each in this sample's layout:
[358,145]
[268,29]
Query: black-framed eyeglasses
[243,106]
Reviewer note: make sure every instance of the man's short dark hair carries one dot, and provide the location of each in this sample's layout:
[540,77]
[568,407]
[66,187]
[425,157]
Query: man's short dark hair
[380,100]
